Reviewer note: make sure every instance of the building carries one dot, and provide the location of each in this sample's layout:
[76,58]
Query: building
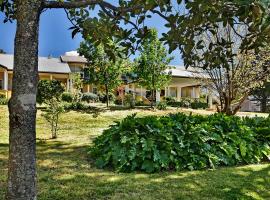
[183,83]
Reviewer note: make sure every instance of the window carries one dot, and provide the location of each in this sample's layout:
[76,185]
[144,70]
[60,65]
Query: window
[75,69]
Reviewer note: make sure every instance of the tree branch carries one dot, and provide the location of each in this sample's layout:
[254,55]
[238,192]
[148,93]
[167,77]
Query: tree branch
[69,4]
[85,3]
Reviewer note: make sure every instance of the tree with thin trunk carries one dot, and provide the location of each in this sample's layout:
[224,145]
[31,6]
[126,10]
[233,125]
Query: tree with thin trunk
[22,105]
[152,65]
[105,69]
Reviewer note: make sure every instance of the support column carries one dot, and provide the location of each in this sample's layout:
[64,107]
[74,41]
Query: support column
[51,77]
[71,85]
[166,92]
[157,96]
[169,92]
[5,80]
[68,88]
[193,93]
[210,100]
[88,88]
[141,91]
[179,93]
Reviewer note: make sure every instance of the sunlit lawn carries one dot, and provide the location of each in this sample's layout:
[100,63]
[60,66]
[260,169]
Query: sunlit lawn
[65,172]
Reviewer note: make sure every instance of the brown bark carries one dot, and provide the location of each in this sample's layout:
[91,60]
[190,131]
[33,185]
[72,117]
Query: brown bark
[107,95]
[22,105]
[238,107]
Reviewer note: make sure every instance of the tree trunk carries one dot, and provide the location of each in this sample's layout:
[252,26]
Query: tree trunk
[107,95]
[22,105]
[264,103]
[152,98]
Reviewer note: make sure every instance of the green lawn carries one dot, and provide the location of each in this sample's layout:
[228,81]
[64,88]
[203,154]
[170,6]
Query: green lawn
[64,171]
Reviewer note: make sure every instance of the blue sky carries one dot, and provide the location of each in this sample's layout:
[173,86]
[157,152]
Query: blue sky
[55,38]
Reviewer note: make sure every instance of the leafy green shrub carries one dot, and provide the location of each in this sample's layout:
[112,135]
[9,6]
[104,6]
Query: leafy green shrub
[90,97]
[67,97]
[129,100]
[170,99]
[103,97]
[178,141]
[75,106]
[198,105]
[188,103]
[3,101]
[162,105]
[118,100]
[2,96]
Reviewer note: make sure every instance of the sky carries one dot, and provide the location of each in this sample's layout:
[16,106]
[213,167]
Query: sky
[55,38]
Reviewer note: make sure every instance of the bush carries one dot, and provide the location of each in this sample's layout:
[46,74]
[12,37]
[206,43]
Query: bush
[103,97]
[2,96]
[188,103]
[118,100]
[90,97]
[129,100]
[3,101]
[178,141]
[162,105]
[75,106]
[170,99]
[67,97]
[198,105]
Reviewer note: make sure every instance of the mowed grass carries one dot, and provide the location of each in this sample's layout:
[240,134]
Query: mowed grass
[65,172]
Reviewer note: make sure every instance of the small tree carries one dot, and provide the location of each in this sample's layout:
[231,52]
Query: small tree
[49,93]
[152,65]
[77,87]
[104,69]
[52,113]
[2,51]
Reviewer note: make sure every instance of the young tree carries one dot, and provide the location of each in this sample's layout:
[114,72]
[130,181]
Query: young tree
[52,114]
[105,70]
[22,106]
[152,64]
[77,86]
[50,93]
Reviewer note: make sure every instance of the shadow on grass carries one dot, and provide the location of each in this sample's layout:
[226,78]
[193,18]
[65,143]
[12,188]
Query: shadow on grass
[64,172]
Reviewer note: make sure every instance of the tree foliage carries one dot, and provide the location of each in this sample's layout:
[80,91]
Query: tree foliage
[104,21]
[104,69]
[48,90]
[178,141]
[153,64]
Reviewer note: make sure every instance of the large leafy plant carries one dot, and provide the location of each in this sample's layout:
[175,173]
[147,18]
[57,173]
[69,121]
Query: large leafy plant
[179,141]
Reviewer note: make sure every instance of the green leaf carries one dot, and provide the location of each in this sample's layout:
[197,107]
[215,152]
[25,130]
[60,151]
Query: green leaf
[243,149]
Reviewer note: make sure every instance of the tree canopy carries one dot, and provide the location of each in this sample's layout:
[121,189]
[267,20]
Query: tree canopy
[103,68]
[121,21]
[153,64]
